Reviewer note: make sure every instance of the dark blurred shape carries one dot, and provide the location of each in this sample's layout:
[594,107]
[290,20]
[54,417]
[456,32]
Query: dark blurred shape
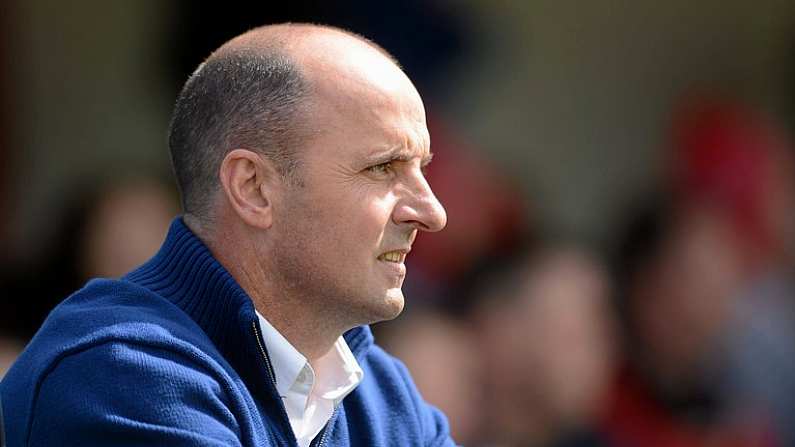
[679,267]
[6,115]
[546,338]
[424,36]
[106,231]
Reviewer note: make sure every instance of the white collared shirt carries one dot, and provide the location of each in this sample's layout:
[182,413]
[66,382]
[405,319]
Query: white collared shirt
[310,394]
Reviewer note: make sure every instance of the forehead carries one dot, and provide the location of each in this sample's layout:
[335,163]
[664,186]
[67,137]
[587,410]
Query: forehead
[358,133]
[363,103]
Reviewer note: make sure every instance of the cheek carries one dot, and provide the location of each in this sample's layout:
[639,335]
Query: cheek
[342,219]
[365,220]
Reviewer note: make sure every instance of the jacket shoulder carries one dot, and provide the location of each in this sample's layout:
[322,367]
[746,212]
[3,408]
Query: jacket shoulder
[391,408]
[103,324]
[115,391]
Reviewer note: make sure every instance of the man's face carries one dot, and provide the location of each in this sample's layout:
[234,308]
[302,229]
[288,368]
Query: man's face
[343,231]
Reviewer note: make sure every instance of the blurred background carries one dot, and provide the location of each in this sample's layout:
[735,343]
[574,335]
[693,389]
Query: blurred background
[619,179]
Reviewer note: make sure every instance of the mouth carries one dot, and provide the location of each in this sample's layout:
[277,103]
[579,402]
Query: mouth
[396,256]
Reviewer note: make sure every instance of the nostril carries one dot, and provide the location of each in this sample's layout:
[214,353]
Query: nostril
[421,225]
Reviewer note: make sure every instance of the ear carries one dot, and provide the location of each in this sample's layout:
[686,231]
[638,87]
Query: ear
[249,182]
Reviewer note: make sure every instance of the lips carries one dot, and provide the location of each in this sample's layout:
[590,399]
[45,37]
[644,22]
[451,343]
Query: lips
[396,256]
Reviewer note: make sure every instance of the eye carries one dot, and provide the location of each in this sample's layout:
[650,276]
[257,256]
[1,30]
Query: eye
[381,168]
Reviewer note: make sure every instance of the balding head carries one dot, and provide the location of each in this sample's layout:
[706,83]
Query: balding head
[257,92]
[332,112]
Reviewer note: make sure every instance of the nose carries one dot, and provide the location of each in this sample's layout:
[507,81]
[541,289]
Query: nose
[420,208]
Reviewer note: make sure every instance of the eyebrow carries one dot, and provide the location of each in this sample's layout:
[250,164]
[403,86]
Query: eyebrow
[398,154]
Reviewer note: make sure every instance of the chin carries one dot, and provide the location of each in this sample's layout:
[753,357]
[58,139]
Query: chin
[391,305]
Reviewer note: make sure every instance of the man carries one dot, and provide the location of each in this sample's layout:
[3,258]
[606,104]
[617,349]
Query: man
[299,151]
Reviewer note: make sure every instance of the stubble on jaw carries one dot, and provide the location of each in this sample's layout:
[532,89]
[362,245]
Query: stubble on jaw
[335,302]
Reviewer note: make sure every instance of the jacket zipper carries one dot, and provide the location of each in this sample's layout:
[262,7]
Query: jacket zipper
[324,432]
[271,372]
[272,377]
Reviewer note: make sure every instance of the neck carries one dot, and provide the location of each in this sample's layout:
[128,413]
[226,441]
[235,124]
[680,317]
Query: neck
[312,332]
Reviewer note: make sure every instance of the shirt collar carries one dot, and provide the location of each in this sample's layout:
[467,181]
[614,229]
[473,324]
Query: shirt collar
[339,372]
[287,361]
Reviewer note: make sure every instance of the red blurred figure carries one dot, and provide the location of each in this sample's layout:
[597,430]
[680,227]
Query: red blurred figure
[740,160]
[729,156]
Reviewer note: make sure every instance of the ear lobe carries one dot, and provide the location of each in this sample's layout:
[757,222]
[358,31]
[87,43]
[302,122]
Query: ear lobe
[249,182]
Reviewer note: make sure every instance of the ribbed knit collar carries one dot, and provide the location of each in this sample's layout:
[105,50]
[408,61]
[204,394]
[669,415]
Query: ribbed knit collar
[186,273]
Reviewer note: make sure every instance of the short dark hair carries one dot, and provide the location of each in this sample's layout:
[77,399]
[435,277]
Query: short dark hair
[243,98]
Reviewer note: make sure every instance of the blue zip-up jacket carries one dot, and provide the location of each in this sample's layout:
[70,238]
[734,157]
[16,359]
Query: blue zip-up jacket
[172,355]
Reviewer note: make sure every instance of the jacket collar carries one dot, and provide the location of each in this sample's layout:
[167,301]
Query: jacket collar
[186,273]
